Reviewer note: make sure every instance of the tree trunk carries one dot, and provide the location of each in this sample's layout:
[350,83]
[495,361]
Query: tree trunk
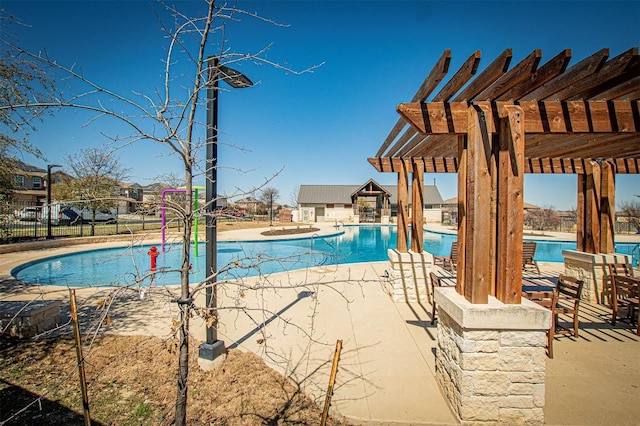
[185,305]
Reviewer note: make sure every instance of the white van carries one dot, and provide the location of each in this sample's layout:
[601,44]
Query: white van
[70,214]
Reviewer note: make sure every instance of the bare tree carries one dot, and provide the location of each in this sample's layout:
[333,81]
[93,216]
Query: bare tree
[268,196]
[98,173]
[543,219]
[21,80]
[293,196]
[631,211]
[167,117]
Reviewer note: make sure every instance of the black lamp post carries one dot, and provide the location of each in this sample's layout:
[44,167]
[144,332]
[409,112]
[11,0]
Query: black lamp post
[271,209]
[49,167]
[214,347]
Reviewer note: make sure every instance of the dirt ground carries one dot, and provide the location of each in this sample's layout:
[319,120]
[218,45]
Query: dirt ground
[132,381]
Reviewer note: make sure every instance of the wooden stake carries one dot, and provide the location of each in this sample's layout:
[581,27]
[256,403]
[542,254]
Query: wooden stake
[332,382]
[80,357]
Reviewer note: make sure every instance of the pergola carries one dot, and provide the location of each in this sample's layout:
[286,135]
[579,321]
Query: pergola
[494,127]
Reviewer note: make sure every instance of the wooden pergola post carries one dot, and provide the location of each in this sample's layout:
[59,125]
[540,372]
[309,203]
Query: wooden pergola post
[510,186]
[596,208]
[476,234]
[462,211]
[588,220]
[403,209]
[417,206]
[607,207]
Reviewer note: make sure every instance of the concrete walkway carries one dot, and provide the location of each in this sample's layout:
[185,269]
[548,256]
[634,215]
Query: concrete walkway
[386,373]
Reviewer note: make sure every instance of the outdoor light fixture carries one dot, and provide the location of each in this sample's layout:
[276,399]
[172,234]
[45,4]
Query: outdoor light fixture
[214,347]
[49,167]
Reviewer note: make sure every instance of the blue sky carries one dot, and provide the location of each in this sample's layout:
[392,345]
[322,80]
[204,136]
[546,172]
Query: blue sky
[318,127]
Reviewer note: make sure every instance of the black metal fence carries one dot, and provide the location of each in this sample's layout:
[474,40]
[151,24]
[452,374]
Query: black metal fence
[24,222]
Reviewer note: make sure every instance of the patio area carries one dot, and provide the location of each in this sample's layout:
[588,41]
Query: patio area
[387,371]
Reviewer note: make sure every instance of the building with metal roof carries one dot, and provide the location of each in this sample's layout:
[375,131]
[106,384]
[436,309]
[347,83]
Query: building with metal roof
[368,202]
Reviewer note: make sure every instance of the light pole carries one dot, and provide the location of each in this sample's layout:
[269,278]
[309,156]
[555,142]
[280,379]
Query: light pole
[271,209]
[49,167]
[213,347]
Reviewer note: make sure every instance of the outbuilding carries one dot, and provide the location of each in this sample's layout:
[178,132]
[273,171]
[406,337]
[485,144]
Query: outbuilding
[369,202]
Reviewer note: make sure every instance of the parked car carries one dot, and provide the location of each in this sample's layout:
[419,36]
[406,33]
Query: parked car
[69,214]
[28,213]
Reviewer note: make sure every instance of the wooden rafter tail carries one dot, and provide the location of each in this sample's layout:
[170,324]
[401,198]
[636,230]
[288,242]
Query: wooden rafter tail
[512,78]
[542,75]
[496,69]
[434,78]
[628,89]
[460,78]
[601,79]
[575,73]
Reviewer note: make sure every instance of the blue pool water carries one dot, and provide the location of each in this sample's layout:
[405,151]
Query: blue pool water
[119,266]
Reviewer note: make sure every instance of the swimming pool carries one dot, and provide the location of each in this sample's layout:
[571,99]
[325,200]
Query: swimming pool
[364,243]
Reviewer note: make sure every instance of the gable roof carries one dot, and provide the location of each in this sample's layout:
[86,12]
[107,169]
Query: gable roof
[29,168]
[341,194]
[371,186]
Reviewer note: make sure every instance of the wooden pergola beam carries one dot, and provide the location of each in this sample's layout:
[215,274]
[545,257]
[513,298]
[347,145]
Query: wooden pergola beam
[531,165]
[433,118]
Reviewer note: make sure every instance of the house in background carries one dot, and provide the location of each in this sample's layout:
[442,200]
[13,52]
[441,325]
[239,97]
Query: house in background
[368,202]
[134,196]
[248,204]
[31,185]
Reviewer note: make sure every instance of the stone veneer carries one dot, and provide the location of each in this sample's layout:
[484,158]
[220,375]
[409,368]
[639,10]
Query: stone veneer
[592,269]
[409,276]
[490,359]
[25,319]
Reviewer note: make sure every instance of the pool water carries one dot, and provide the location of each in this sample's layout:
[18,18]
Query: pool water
[122,266]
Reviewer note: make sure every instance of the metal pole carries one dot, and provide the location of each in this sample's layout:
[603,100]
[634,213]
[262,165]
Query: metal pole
[212,192]
[214,347]
[49,236]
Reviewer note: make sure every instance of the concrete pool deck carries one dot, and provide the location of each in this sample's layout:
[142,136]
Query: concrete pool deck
[387,368]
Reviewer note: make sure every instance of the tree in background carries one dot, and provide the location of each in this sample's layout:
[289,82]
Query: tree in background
[267,197]
[97,174]
[293,196]
[630,210]
[22,81]
[545,218]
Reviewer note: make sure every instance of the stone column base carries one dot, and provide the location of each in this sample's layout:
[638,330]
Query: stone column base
[592,269]
[490,359]
[409,276]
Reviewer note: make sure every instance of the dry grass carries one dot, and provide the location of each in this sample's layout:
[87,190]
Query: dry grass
[132,381]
